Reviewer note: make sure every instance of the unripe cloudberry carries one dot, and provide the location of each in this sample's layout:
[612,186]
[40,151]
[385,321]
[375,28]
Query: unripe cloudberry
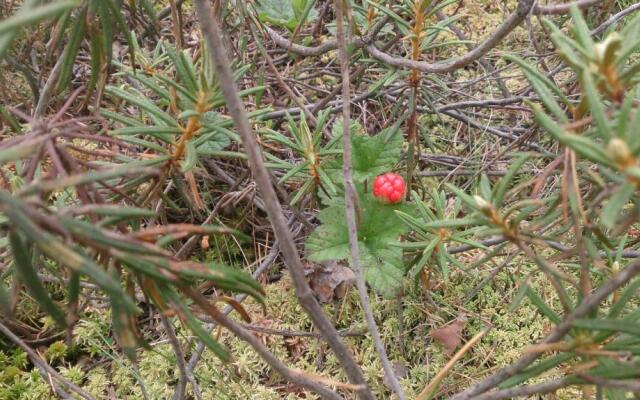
[389,187]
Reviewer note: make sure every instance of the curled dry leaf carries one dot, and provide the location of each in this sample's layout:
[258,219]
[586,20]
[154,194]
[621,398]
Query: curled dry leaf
[330,280]
[450,335]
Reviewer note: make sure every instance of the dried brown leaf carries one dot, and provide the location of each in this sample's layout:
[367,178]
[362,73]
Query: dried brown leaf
[450,335]
[330,280]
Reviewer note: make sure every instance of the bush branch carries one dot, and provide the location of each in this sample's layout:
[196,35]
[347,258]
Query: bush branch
[351,202]
[213,36]
[588,304]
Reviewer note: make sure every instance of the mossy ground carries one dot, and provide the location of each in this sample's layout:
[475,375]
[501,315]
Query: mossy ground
[95,362]
[108,373]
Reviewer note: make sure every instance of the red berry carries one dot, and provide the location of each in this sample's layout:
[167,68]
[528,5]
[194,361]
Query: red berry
[389,187]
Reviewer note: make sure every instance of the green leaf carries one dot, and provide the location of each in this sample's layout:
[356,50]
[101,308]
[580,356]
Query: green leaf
[468,200]
[164,133]
[83,178]
[35,15]
[123,329]
[580,144]
[536,370]
[29,277]
[329,241]
[5,301]
[426,256]
[451,223]
[193,324]
[501,188]
[302,10]
[211,138]
[190,159]
[627,294]
[61,253]
[76,37]
[485,186]
[543,85]
[159,117]
[623,117]
[611,211]
[184,69]
[580,28]
[6,39]
[566,46]
[22,150]
[92,233]
[283,12]
[542,306]
[371,155]
[383,270]
[595,104]
[379,227]
[612,325]
[520,295]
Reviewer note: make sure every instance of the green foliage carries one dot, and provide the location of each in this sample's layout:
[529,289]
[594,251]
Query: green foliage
[30,15]
[372,155]
[170,122]
[379,227]
[431,230]
[600,128]
[94,212]
[311,171]
[181,100]
[98,21]
[605,71]
[286,13]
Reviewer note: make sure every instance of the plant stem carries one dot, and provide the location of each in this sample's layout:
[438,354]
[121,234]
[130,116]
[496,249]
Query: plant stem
[213,36]
[351,202]
[588,304]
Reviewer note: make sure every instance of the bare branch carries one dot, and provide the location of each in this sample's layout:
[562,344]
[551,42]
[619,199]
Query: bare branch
[213,36]
[47,370]
[564,8]
[615,18]
[351,203]
[294,376]
[524,6]
[523,9]
[588,304]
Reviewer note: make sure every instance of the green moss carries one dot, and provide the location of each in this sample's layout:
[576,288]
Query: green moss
[97,382]
[248,376]
[56,351]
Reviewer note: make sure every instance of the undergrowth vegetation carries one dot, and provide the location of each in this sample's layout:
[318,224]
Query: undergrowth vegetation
[283,199]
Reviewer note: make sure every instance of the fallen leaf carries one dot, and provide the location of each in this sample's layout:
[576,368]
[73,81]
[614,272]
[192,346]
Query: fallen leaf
[450,335]
[330,280]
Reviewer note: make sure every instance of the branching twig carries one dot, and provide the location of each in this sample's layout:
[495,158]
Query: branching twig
[47,90]
[512,21]
[615,18]
[294,376]
[351,203]
[213,37]
[185,375]
[588,304]
[46,370]
[264,266]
